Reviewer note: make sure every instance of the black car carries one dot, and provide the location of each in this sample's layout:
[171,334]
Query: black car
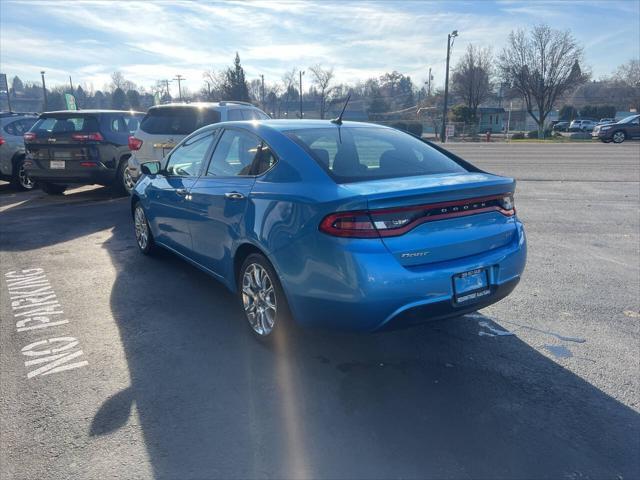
[560,127]
[80,147]
[618,132]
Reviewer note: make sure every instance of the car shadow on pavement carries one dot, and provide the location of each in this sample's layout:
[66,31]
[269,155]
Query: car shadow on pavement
[10,199]
[434,401]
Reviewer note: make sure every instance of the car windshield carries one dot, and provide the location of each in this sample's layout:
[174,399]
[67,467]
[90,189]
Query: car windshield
[629,119]
[178,120]
[65,124]
[361,153]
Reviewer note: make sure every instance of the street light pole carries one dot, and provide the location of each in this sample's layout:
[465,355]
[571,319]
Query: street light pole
[451,36]
[301,73]
[44,91]
[262,90]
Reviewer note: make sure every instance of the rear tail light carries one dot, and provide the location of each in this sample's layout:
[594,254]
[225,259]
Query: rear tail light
[29,136]
[87,137]
[397,221]
[134,143]
[2,141]
[88,164]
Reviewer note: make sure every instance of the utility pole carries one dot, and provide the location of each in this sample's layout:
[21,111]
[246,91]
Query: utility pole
[451,36]
[262,91]
[179,78]
[44,91]
[301,73]
[429,83]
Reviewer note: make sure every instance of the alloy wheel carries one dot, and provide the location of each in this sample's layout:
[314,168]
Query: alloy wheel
[618,137]
[141,228]
[127,179]
[24,179]
[259,299]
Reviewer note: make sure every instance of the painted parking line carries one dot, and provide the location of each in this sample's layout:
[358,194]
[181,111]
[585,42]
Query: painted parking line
[37,311]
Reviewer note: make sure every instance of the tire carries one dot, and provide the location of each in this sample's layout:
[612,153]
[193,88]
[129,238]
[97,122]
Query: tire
[144,237]
[20,180]
[265,309]
[619,136]
[123,184]
[53,188]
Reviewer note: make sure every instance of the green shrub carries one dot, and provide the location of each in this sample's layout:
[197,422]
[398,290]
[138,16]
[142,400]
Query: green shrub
[534,134]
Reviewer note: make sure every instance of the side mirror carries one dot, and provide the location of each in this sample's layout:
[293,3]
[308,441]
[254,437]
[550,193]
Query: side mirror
[150,168]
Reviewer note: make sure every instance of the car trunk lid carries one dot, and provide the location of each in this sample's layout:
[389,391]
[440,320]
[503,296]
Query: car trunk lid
[436,218]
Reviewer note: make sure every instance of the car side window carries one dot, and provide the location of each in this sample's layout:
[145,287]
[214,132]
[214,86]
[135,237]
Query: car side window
[234,115]
[234,154]
[265,159]
[19,127]
[10,128]
[187,159]
[25,125]
[118,125]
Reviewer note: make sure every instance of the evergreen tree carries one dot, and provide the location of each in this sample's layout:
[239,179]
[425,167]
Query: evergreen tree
[118,99]
[81,97]
[17,85]
[235,85]
[133,97]
[55,101]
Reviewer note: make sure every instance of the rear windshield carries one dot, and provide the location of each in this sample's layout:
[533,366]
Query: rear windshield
[65,124]
[357,154]
[178,120]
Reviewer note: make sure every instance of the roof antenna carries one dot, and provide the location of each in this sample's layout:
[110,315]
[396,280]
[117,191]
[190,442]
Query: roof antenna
[338,121]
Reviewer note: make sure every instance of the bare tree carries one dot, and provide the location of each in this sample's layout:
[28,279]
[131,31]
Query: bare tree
[289,80]
[541,66]
[322,78]
[213,84]
[471,79]
[629,76]
[117,80]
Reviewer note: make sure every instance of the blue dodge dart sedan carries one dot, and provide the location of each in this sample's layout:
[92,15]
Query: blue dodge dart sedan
[343,225]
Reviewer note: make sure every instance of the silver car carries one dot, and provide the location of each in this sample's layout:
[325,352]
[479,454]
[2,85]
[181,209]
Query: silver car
[164,126]
[12,127]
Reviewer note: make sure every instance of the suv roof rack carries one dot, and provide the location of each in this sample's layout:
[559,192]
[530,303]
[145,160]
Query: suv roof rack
[5,114]
[234,102]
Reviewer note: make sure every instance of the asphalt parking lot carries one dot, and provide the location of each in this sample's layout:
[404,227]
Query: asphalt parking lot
[169,383]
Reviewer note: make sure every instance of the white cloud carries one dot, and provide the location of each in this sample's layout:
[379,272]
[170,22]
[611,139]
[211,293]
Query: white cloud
[152,40]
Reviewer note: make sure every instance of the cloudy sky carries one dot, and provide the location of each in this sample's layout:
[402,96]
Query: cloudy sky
[149,41]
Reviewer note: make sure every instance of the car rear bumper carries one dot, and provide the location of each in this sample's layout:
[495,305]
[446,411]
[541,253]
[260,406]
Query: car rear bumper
[97,173]
[371,291]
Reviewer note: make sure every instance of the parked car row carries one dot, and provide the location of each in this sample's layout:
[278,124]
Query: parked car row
[106,147]
[332,224]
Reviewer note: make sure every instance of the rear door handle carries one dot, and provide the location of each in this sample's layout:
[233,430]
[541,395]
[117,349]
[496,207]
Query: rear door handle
[234,195]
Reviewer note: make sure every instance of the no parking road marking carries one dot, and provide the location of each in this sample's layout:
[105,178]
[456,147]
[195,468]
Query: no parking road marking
[36,308]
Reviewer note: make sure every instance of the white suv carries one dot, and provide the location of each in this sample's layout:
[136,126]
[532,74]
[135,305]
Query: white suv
[165,125]
[582,126]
